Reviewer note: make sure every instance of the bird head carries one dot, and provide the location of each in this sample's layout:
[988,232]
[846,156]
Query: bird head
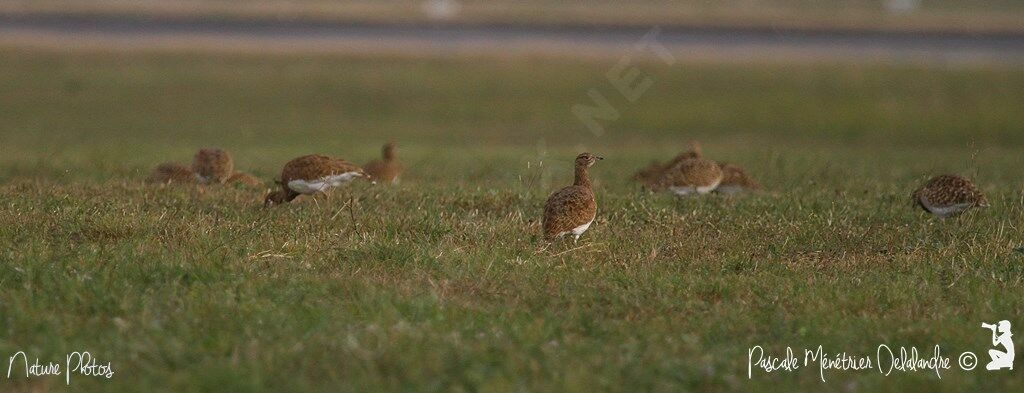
[587,159]
[983,201]
[388,152]
[275,198]
[366,176]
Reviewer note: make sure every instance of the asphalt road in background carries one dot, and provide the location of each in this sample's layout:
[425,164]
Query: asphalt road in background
[441,38]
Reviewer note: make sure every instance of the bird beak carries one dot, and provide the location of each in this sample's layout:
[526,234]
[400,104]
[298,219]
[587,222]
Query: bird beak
[600,158]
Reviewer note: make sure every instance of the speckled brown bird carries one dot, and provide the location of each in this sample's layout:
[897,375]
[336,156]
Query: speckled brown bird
[694,151]
[735,180]
[312,174]
[650,174]
[692,176]
[572,209]
[948,195]
[171,172]
[212,166]
[387,169]
[244,179]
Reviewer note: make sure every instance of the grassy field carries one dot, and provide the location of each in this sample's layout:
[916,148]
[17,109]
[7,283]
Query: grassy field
[440,284]
[980,15]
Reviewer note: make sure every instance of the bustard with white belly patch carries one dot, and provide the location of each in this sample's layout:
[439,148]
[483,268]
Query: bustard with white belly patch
[313,174]
[572,209]
[653,172]
[948,195]
[689,177]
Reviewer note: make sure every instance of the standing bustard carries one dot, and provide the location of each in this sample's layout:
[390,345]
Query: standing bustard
[572,209]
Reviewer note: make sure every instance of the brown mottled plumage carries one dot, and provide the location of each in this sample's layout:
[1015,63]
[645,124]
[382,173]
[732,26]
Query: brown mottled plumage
[387,169]
[948,195]
[171,172]
[735,180]
[695,151]
[650,173]
[572,209]
[212,166]
[312,174]
[654,171]
[244,179]
[690,176]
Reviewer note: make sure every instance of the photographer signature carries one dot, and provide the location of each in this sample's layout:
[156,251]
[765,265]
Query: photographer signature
[80,363]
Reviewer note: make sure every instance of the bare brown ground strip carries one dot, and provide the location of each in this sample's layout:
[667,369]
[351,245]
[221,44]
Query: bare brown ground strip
[427,48]
[970,19]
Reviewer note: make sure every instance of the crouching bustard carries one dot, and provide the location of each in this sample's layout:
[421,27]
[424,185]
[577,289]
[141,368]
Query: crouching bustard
[312,174]
[572,209]
[949,195]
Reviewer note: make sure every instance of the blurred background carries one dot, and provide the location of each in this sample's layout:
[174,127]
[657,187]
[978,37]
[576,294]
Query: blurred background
[750,29]
[898,14]
[272,78]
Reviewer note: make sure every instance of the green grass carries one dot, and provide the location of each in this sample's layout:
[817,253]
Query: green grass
[440,283]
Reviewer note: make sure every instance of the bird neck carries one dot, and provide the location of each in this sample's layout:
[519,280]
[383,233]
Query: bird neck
[290,195]
[581,176]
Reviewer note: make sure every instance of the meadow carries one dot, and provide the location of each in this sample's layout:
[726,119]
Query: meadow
[441,282]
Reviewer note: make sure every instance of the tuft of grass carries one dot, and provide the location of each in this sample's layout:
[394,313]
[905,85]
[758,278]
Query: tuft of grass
[440,283]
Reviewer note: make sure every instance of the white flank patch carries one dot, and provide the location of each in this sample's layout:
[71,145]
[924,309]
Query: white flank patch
[945,211]
[578,231]
[691,190]
[712,187]
[683,191]
[314,186]
[582,228]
